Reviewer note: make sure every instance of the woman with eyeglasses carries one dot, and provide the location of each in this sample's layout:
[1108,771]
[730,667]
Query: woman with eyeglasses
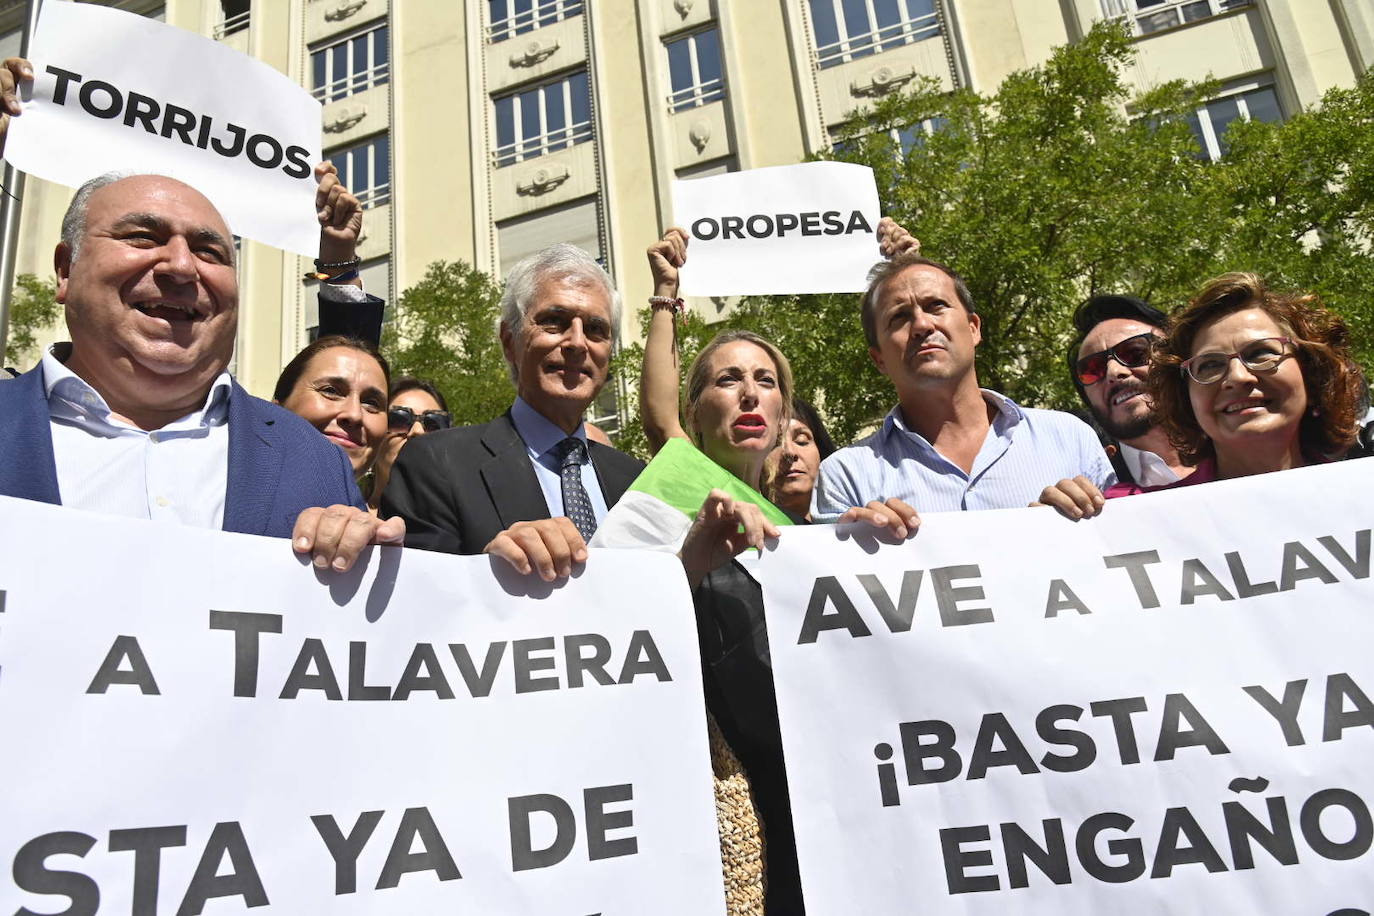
[417,407]
[339,384]
[1248,381]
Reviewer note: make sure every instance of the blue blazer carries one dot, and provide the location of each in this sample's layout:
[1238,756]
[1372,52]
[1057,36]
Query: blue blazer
[279,465]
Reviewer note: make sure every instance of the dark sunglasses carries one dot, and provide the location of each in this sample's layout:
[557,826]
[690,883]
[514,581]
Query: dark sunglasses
[403,418]
[1133,352]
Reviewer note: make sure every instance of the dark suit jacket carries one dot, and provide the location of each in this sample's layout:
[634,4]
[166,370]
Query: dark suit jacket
[459,488]
[362,320]
[279,465]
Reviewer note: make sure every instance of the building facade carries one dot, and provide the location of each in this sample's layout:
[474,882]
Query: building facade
[482,130]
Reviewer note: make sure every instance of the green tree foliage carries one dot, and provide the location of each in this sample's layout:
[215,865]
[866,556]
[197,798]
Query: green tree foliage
[33,307]
[1060,186]
[444,330]
[1298,204]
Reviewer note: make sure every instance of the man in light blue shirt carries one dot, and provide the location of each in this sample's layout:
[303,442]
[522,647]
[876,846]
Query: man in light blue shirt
[948,445]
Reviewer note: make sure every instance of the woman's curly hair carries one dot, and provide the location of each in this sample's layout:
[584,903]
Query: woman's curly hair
[1321,341]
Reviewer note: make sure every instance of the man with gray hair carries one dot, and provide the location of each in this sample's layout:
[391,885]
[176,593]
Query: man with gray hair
[527,486]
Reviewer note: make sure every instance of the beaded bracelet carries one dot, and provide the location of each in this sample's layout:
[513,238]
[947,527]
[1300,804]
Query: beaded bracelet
[343,276]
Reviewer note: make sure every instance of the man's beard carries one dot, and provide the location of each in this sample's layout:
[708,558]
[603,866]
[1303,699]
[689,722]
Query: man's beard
[1126,429]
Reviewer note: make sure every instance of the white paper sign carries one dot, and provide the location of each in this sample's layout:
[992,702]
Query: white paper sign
[196,716]
[808,228]
[117,91]
[1164,710]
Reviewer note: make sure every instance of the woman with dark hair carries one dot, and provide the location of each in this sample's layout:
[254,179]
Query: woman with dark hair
[416,408]
[340,385]
[795,463]
[1248,381]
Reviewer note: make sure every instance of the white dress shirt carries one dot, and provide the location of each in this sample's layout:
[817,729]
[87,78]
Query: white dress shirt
[541,437]
[1148,469]
[177,473]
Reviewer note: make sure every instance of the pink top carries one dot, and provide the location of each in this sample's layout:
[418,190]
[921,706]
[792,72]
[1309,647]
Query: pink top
[1205,472]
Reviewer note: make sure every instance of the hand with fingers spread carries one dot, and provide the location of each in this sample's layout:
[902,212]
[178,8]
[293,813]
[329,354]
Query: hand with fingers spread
[666,256]
[548,547]
[724,529]
[1075,499]
[340,216]
[13,71]
[336,536]
[894,240]
[897,517]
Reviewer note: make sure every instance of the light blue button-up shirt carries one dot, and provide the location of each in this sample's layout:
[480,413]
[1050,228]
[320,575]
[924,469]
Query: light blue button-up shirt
[541,436]
[1026,450]
[177,473]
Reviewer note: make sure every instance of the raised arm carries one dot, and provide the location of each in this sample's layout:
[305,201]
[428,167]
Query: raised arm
[341,222]
[660,377]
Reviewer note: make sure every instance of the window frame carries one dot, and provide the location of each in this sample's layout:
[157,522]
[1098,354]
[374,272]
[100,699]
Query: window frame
[375,194]
[524,148]
[375,75]
[1211,140]
[847,47]
[1132,10]
[699,92]
[919,132]
[541,13]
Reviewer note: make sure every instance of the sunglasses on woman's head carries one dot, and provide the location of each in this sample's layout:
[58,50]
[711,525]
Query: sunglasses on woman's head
[1133,352]
[403,418]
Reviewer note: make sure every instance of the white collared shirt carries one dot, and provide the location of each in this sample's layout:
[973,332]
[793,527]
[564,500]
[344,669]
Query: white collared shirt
[177,473]
[1147,468]
[541,436]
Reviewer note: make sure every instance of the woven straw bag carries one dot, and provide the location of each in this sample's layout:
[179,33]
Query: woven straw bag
[737,821]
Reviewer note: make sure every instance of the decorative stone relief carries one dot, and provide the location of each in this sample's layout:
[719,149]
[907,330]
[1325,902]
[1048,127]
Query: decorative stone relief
[344,118]
[882,80]
[700,135]
[542,180]
[342,11]
[536,52]
[683,7]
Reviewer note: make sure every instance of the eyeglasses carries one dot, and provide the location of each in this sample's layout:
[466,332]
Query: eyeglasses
[403,418]
[1263,355]
[1133,352]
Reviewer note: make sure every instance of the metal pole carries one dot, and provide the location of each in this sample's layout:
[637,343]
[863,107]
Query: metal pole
[10,204]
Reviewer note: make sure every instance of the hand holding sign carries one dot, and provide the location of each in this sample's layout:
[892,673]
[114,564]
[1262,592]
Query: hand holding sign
[894,239]
[13,71]
[240,132]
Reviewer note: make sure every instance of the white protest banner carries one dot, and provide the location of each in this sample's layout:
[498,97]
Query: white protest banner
[198,722]
[117,91]
[808,228]
[1162,710]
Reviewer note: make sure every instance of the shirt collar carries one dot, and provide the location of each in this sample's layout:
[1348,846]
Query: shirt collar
[1009,413]
[539,432]
[1146,467]
[70,397]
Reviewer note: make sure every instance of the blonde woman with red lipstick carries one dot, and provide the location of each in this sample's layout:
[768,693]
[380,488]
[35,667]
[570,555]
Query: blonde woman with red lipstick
[736,406]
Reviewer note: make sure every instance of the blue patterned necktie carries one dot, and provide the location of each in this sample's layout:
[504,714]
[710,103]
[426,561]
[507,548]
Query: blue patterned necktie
[572,454]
